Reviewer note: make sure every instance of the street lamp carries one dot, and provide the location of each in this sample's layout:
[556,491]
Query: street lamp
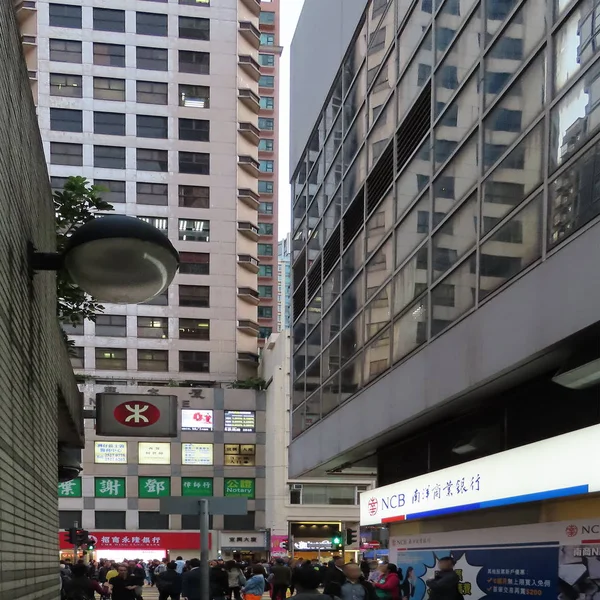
[116,259]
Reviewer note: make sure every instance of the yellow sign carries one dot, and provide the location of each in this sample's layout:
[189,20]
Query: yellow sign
[154,453]
[239,461]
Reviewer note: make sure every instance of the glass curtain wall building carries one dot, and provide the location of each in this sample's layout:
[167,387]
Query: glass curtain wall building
[456,150]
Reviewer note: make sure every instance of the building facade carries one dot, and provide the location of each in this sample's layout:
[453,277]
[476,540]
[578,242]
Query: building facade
[443,215]
[40,403]
[284,282]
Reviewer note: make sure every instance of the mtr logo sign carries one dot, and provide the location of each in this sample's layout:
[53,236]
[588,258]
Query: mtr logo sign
[136,414]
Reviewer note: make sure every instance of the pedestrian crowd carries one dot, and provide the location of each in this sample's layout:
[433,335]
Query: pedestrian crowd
[232,580]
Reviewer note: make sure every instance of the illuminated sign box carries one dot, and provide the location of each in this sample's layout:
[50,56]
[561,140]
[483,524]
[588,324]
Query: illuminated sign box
[552,468]
[240,421]
[109,453]
[240,455]
[196,420]
[197,454]
[153,453]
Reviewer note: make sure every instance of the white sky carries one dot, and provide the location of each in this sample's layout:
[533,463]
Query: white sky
[290,11]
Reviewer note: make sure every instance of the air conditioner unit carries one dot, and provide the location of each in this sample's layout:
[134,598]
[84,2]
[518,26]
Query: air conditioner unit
[296,486]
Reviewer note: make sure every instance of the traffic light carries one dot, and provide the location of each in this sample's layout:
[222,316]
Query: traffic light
[351,536]
[72,537]
[336,542]
[90,544]
[82,537]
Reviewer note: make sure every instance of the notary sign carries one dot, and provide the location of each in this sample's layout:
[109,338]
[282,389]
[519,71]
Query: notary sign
[136,415]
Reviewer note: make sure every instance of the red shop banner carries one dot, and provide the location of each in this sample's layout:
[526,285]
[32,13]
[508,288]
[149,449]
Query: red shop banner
[141,540]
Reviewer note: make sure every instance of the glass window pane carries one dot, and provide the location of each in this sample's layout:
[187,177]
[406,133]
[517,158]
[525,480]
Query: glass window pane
[411,280]
[412,230]
[412,33]
[410,330]
[377,356]
[415,77]
[352,299]
[414,178]
[351,377]
[380,267]
[378,312]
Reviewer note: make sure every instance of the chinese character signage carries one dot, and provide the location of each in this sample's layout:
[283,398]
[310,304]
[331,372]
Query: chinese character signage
[196,420]
[238,540]
[70,489]
[109,487]
[142,540]
[154,453]
[497,480]
[241,455]
[110,453]
[242,488]
[196,486]
[240,421]
[154,487]
[197,454]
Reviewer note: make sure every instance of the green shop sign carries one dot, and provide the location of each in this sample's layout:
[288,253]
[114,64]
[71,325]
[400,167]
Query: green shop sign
[70,489]
[196,486]
[154,487]
[242,488]
[109,487]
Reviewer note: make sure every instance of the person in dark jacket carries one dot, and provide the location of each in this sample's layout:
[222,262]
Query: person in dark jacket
[123,586]
[169,583]
[407,587]
[80,585]
[334,577]
[444,586]
[355,586]
[307,582]
[191,581]
[281,580]
[219,580]
[364,567]
[139,574]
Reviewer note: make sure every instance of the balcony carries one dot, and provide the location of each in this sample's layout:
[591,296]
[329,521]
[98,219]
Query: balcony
[27,8]
[29,42]
[250,33]
[248,230]
[250,132]
[250,165]
[249,295]
[248,357]
[249,66]
[253,6]
[249,327]
[249,198]
[32,75]
[248,262]
[249,99]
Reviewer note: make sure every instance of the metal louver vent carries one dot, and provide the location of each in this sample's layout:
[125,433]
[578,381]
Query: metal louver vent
[414,128]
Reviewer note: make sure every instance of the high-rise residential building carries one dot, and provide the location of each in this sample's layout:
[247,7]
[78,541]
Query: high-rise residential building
[284,282]
[445,223]
[170,106]
[268,150]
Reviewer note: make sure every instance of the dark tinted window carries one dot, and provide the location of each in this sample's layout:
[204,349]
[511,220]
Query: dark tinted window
[195,130]
[152,127]
[64,119]
[109,519]
[109,123]
[151,24]
[106,19]
[153,59]
[64,15]
[194,28]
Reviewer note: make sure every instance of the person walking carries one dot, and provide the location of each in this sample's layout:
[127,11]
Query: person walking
[235,580]
[180,564]
[334,577]
[444,586]
[255,586]
[191,581]
[355,586]
[387,587]
[281,580]
[169,582]
[80,586]
[123,586]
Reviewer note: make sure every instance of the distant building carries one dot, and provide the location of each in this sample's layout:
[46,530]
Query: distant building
[284,283]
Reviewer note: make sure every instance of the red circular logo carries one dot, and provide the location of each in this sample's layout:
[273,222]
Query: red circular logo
[571,530]
[137,414]
[373,506]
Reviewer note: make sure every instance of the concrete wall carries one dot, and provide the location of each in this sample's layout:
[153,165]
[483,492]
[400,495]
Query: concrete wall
[332,23]
[34,369]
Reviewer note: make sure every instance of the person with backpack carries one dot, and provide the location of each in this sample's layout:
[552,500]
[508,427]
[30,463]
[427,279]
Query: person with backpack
[80,586]
[444,586]
[169,582]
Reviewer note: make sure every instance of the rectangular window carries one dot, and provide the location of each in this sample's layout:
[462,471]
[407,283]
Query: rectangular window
[109,157]
[194,329]
[153,360]
[70,86]
[113,192]
[152,127]
[265,249]
[66,518]
[111,359]
[266,123]
[197,163]
[267,102]
[109,520]
[265,228]
[152,59]
[109,55]
[161,300]
[265,271]
[266,81]
[267,17]
[197,296]
[265,291]
[156,194]
[66,154]
[151,24]
[106,19]
[161,223]
[58,183]
[77,355]
[65,119]
[264,332]
[194,362]
[194,196]
[266,146]
[195,2]
[194,96]
[239,522]
[194,263]
[64,15]
[152,520]
[194,230]
[266,166]
[265,187]
[194,130]
[152,160]
[106,88]
[65,51]
[266,60]
[194,28]
[109,123]
[265,208]
[267,39]
[111,325]
[153,327]
[194,62]
[265,312]
[152,92]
